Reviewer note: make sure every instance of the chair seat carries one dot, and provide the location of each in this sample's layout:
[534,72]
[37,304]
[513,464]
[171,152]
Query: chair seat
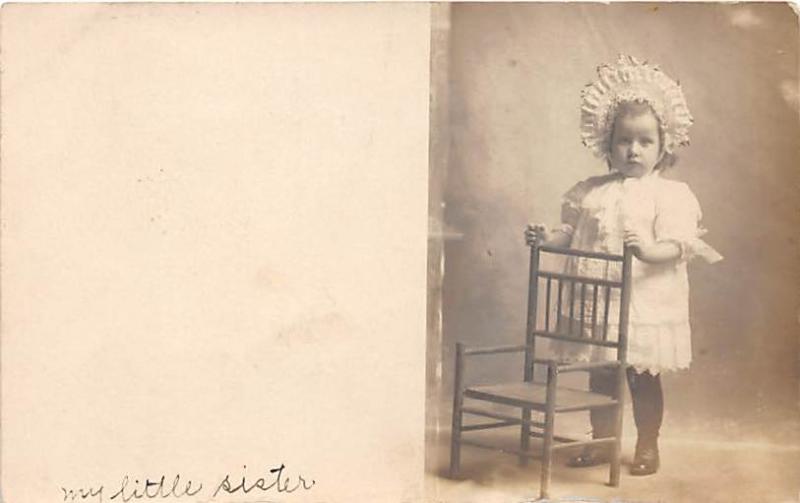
[533,395]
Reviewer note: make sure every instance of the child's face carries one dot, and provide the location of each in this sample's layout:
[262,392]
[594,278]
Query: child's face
[635,143]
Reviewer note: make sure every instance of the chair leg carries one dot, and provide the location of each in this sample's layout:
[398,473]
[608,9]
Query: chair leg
[616,451]
[547,455]
[458,401]
[525,436]
[549,430]
[455,444]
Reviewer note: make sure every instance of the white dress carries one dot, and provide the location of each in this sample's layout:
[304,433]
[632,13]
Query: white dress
[599,210]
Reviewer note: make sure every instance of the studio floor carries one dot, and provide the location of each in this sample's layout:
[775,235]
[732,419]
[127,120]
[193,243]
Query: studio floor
[699,463]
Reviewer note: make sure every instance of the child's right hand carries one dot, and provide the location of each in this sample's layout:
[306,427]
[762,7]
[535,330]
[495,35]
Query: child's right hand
[536,233]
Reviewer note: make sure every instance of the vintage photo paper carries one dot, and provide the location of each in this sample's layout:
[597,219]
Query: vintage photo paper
[213,252]
[239,244]
[507,151]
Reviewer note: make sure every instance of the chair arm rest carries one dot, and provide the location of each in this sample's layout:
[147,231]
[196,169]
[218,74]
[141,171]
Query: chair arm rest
[495,350]
[588,366]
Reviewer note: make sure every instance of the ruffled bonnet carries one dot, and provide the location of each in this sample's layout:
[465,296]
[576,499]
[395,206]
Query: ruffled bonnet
[632,81]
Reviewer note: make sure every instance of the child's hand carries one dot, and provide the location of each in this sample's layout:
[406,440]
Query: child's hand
[652,252]
[536,233]
[634,240]
[638,246]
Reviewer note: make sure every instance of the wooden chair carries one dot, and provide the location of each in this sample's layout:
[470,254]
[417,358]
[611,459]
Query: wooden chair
[548,397]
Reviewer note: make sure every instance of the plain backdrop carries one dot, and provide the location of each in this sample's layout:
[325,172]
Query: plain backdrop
[515,75]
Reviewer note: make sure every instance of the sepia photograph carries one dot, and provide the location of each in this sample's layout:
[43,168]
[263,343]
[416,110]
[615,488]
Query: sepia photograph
[613,306]
[399,252]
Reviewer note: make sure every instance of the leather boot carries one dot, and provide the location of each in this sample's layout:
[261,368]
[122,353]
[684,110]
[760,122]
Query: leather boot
[600,381]
[590,456]
[646,460]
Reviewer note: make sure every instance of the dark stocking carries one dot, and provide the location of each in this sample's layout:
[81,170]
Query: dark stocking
[648,406]
[603,381]
[647,397]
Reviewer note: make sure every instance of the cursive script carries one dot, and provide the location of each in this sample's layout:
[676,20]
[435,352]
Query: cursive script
[153,489]
[130,489]
[275,480]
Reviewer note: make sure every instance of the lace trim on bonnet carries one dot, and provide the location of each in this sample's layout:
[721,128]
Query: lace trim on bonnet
[632,81]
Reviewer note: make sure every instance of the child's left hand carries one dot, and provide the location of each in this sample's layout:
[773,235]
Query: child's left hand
[650,251]
[633,239]
[641,248]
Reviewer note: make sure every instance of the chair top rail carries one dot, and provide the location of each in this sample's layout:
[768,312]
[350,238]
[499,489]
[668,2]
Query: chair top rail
[579,279]
[581,253]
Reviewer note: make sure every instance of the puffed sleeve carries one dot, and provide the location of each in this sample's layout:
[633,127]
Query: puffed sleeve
[571,204]
[678,217]
[677,214]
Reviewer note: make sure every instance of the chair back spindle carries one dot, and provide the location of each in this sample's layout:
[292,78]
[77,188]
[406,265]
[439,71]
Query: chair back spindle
[586,308]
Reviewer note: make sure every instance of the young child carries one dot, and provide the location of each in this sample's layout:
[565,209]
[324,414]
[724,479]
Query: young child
[634,117]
